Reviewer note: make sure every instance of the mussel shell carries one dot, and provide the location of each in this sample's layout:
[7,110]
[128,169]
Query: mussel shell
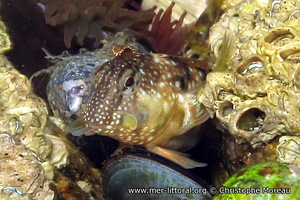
[136,168]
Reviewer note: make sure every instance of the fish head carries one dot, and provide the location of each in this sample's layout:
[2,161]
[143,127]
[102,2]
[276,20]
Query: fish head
[136,96]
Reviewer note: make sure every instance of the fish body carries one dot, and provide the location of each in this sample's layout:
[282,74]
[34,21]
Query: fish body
[150,99]
[144,99]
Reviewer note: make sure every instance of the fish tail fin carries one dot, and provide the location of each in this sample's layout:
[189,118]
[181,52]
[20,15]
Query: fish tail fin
[78,128]
[177,157]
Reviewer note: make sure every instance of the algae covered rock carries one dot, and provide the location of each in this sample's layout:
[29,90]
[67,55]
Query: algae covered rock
[269,181]
[253,89]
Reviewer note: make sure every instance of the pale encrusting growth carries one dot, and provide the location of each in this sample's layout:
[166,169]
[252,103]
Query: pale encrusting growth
[25,147]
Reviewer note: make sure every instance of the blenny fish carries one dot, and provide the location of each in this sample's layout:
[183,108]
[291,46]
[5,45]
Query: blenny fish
[150,99]
[145,99]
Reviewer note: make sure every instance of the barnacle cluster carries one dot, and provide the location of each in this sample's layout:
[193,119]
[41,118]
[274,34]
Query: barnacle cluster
[21,173]
[254,92]
[32,146]
[288,150]
[93,18]
[25,146]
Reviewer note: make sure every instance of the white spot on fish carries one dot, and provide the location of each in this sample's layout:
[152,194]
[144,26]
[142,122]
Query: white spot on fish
[162,84]
[156,59]
[150,138]
[109,127]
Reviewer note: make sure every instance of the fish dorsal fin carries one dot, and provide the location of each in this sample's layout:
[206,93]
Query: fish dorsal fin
[122,50]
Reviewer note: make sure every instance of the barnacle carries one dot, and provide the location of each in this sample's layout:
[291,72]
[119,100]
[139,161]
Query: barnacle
[94,18]
[32,147]
[27,177]
[257,96]
[25,142]
[288,150]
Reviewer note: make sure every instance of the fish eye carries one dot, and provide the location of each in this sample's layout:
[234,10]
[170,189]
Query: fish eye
[129,82]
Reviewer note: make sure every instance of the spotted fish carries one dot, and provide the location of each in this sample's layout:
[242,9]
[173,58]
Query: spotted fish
[145,100]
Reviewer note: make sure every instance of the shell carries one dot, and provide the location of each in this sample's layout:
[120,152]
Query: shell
[138,169]
[288,150]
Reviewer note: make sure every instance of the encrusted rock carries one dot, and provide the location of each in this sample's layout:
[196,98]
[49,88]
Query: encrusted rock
[254,91]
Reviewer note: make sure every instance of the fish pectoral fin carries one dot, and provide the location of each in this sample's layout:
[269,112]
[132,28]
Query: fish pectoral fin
[78,128]
[177,157]
[200,119]
[195,122]
[120,148]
